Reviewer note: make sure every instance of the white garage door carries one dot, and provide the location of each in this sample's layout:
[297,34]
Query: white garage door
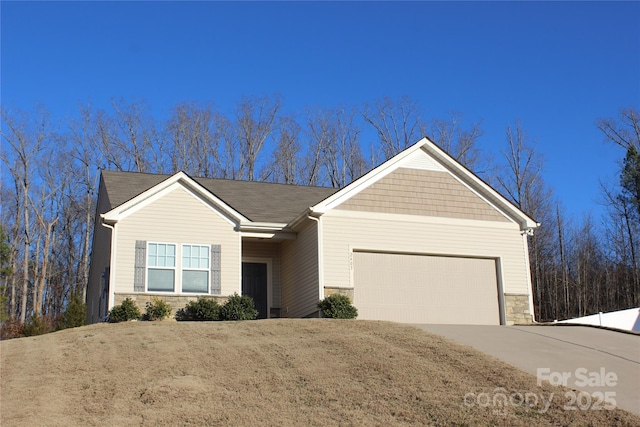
[426,289]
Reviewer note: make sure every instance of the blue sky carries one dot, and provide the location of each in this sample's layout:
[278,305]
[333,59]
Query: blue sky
[555,66]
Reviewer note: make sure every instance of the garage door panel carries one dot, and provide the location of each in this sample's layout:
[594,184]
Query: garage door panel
[425,289]
[418,315]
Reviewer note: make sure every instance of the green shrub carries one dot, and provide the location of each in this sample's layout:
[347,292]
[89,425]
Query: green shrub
[124,312]
[35,325]
[75,313]
[203,309]
[338,306]
[238,308]
[157,309]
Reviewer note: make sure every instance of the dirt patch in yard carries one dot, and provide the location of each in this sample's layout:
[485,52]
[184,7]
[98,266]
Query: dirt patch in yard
[274,372]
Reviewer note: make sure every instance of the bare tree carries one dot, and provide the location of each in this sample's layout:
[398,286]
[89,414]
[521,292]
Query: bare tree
[11,218]
[135,134]
[128,140]
[286,156]
[85,172]
[5,271]
[564,266]
[319,135]
[397,122]
[621,231]
[624,131]
[190,132]
[347,162]
[225,135]
[334,156]
[111,155]
[256,118]
[47,228]
[26,136]
[588,268]
[623,204]
[520,180]
[457,140]
[46,213]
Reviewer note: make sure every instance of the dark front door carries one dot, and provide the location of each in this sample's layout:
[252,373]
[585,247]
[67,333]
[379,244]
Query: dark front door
[254,284]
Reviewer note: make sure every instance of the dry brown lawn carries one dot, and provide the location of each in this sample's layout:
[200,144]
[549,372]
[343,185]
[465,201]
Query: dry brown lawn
[275,372]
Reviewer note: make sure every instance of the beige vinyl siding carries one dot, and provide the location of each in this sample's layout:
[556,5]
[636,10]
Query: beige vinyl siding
[253,249]
[347,231]
[100,260]
[422,192]
[178,217]
[300,283]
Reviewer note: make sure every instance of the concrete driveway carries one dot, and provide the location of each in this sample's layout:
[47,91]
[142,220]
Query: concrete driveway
[593,360]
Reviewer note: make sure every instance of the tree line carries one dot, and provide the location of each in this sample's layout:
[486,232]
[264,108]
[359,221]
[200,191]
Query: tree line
[51,171]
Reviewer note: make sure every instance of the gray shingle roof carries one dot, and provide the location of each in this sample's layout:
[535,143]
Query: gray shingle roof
[258,201]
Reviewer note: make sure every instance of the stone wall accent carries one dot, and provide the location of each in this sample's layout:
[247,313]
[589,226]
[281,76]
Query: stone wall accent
[175,301]
[517,309]
[330,290]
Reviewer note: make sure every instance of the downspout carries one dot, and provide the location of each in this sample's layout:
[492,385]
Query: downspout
[320,258]
[525,243]
[112,264]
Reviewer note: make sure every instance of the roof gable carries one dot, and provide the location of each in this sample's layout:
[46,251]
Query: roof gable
[163,188]
[424,192]
[425,155]
[251,200]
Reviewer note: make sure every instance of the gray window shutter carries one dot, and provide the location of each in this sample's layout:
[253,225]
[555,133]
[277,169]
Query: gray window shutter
[140,265]
[215,270]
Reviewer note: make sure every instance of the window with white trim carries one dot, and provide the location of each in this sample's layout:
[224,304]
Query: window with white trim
[161,267]
[195,268]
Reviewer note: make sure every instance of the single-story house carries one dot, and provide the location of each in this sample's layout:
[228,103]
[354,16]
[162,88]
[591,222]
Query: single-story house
[418,239]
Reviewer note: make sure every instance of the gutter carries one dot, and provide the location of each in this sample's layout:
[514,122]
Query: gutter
[527,263]
[317,219]
[528,230]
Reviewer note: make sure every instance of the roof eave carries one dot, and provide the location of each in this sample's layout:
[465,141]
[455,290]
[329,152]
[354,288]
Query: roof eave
[261,226]
[355,186]
[120,211]
[526,222]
